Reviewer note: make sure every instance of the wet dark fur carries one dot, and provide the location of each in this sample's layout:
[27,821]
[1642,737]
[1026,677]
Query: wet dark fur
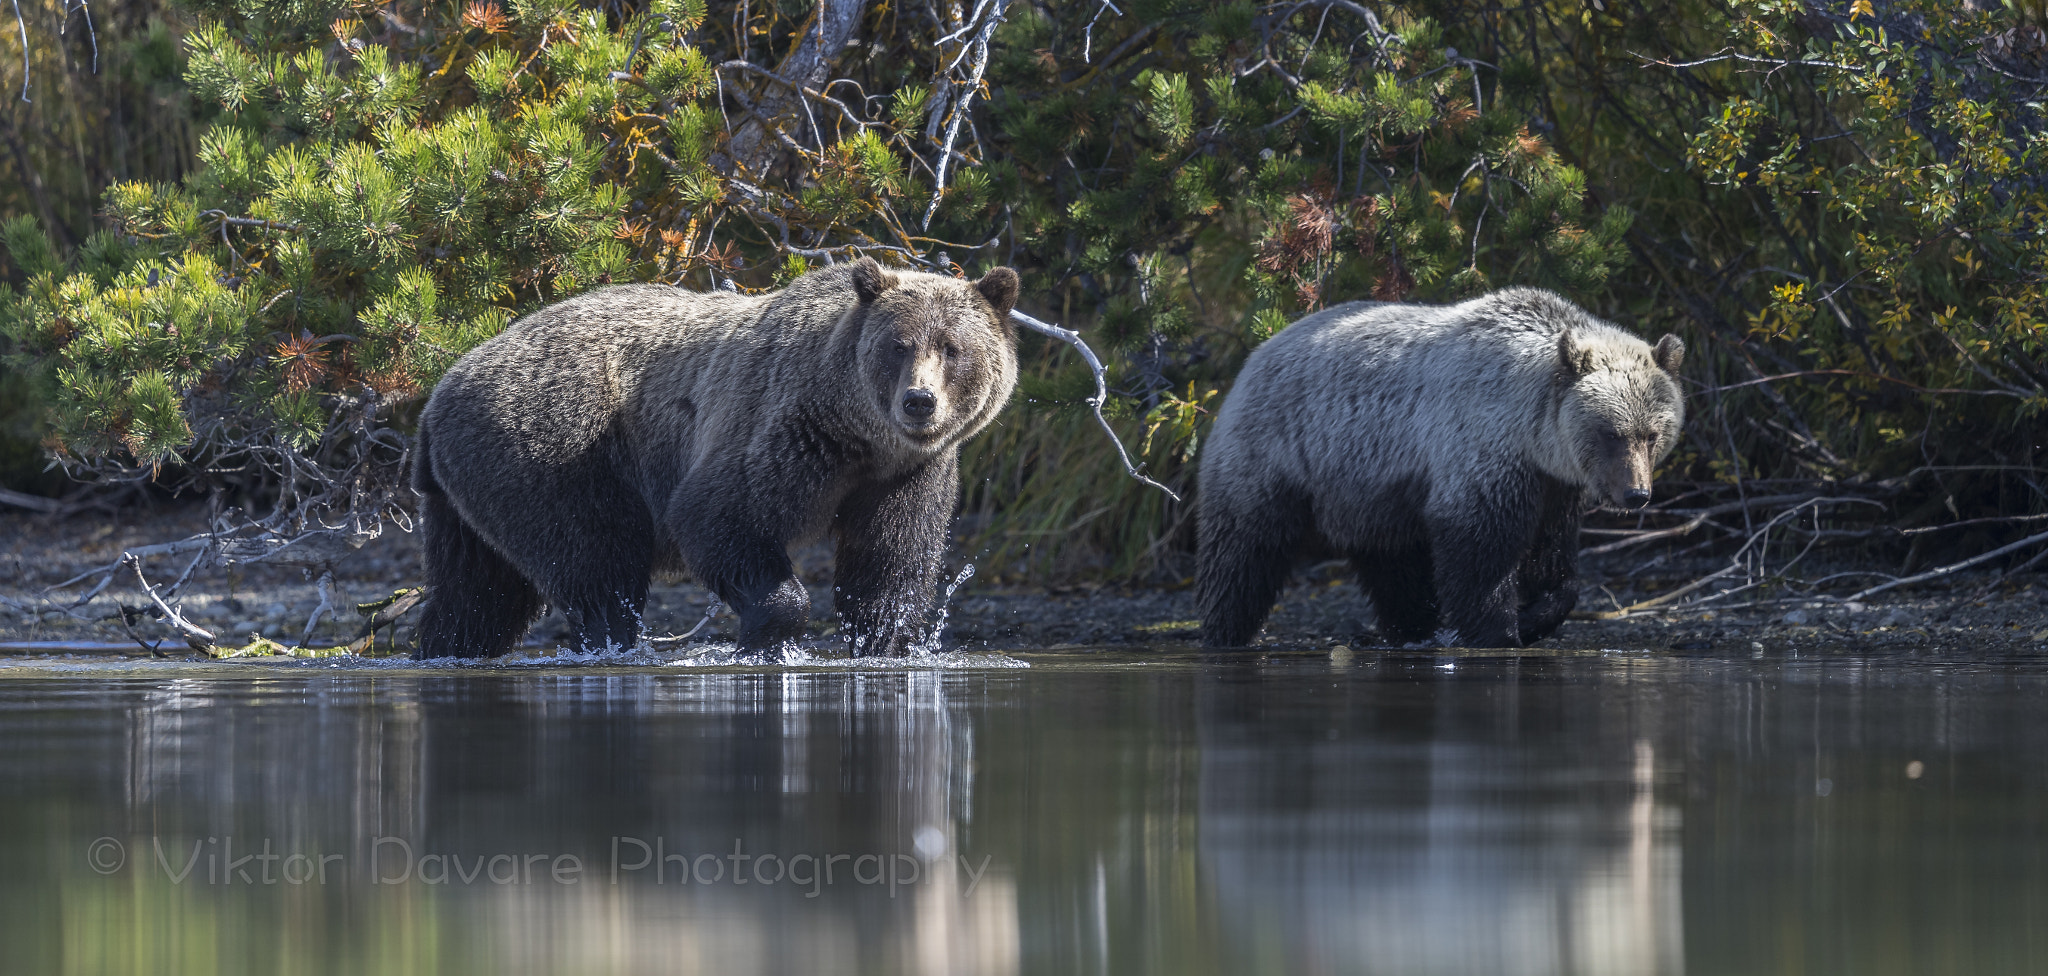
[641,427]
[1528,538]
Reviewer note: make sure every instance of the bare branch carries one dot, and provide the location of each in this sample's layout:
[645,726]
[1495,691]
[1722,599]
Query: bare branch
[1101,396]
[991,14]
[1726,55]
[1760,381]
[326,588]
[22,25]
[1953,567]
[196,636]
[1738,563]
[1695,522]
[710,611]
[34,503]
[1088,33]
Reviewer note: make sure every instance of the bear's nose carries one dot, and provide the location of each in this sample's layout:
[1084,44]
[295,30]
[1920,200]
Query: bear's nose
[919,404]
[1635,498]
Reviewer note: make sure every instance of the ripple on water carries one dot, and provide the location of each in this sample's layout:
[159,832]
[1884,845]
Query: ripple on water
[810,656]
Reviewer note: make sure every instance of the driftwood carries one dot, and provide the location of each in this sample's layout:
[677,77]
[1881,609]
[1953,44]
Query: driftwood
[1772,532]
[34,503]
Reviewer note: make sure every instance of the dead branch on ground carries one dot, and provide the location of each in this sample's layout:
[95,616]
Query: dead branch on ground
[1775,532]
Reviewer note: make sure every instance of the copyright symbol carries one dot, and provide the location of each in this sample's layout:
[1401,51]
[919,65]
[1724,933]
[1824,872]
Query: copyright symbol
[106,855]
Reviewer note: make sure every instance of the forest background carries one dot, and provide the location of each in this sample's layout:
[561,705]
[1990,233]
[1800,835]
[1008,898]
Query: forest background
[242,239]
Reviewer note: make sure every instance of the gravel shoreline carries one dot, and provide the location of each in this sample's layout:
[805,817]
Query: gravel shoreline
[1322,607]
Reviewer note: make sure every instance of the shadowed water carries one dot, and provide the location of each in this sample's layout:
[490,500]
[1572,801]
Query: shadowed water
[1091,813]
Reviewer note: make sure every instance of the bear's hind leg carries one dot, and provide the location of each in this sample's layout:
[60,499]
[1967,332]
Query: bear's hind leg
[1403,591]
[604,613]
[1243,557]
[478,605]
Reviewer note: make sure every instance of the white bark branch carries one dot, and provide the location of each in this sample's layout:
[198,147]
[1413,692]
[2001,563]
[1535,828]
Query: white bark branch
[976,54]
[1072,338]
[326,588]
[1953,567]
[196,636]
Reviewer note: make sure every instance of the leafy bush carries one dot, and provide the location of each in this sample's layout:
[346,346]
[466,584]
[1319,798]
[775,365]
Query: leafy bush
[382,188]
[1895,155]
[104,104]
[1839,204]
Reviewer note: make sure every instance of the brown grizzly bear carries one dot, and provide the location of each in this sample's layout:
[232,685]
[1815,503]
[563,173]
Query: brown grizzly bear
[643,426]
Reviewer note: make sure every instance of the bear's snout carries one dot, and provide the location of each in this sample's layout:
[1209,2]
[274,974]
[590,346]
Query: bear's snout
[1635,498]
[920,404]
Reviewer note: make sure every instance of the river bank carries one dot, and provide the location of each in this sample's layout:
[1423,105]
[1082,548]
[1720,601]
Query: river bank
[1976,610]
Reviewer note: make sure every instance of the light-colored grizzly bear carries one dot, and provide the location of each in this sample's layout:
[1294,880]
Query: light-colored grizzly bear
[645,426]
[1444,449]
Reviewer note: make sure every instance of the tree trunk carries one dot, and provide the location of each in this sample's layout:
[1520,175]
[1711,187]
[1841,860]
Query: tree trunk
[755,151]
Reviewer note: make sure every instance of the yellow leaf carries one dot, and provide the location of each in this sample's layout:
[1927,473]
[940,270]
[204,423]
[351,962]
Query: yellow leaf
[1861,8]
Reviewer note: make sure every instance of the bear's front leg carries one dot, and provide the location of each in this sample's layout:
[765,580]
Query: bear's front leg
[891,536]
[1549,575]
[1476,548]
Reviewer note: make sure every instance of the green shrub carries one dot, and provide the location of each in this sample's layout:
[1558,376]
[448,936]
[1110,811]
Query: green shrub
[1841,209]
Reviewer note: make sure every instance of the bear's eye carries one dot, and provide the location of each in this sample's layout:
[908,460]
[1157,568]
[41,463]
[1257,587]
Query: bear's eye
[952,351]
[902,345]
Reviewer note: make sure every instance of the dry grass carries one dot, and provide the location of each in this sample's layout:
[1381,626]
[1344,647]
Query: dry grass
[1047,499]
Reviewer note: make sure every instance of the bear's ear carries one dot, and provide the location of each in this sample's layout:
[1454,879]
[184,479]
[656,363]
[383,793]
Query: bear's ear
[1670,353]
[999,286]
[870,281]
[1573,356]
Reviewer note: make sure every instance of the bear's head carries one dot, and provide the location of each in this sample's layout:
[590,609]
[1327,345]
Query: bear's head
[939,354]
[1622,408]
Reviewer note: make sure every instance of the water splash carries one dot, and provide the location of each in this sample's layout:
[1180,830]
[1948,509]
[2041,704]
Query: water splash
[923,642]
[819,656]
[936,636]
[825,654]
[925,652]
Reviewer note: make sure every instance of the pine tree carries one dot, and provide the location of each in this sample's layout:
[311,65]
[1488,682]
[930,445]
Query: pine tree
[385,186]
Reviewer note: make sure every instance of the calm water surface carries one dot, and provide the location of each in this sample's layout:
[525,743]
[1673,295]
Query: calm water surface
[1092,813]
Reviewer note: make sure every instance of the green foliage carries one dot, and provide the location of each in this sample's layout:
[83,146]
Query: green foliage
[1902,156]
[1838,205]
[356,187]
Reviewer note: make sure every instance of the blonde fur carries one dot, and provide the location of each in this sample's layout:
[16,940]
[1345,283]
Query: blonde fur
[1438,434]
